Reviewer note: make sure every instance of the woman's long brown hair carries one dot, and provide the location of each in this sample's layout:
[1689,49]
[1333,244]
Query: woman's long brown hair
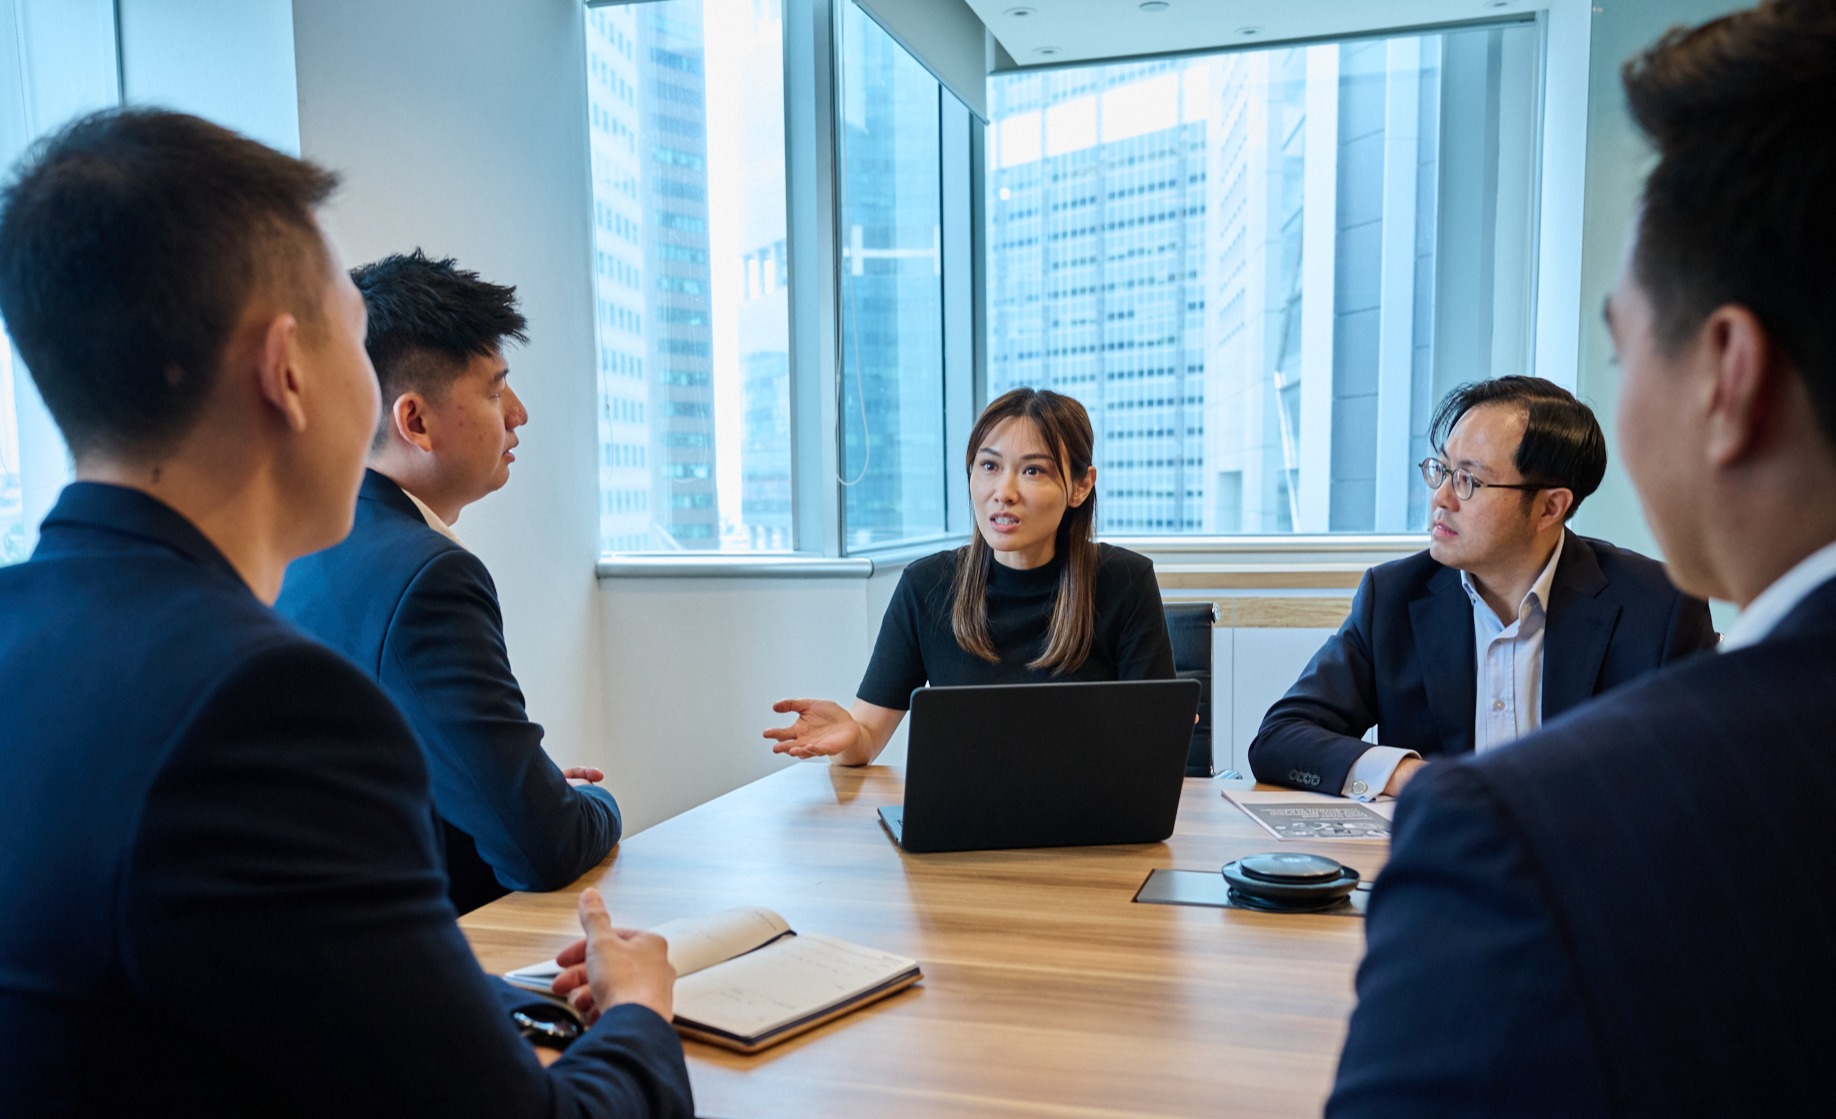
[1064,427]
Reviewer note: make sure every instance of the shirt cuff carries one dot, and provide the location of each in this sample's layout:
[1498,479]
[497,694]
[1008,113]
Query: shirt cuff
[1372,771]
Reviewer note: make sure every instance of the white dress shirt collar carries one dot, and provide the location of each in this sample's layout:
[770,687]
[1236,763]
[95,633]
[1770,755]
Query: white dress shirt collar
[1769,609]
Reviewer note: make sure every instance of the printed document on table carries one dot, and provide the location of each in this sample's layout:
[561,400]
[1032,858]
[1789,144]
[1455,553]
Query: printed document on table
[1289,815]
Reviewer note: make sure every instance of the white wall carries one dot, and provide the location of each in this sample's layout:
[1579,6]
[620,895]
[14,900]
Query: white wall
[228,60]
[693,666]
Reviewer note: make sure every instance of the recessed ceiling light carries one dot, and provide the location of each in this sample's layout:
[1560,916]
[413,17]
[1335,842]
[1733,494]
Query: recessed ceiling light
[1155,5]
[1019,13]
[1045,52]
[1248,32]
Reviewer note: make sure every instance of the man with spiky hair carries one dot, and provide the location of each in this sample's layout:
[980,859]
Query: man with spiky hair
[1628,913]
[403,597]
[219,876]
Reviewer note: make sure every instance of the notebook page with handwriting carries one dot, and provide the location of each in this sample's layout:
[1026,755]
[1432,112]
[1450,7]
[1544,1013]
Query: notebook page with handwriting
[794,978]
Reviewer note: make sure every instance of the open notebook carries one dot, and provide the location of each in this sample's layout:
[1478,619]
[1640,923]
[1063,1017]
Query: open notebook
[745,981]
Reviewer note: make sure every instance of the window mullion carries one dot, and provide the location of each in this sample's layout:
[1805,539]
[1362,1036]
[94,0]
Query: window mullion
[961,137]
[812,201]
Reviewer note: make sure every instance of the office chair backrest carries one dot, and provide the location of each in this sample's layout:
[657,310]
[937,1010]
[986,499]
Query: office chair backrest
[1189,624]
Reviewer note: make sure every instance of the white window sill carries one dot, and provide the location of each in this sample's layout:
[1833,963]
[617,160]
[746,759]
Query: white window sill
[1262,562]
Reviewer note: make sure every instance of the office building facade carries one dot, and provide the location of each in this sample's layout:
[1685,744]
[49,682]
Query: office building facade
[652,281]
[1244,266]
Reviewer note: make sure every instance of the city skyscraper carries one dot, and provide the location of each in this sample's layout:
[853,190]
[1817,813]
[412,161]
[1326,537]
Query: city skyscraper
[1258,270]
[673,155]
[652,287]
[618,279]
[1096,266]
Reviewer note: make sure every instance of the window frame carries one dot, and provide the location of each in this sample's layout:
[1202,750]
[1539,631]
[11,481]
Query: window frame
[813,217]
[813,192]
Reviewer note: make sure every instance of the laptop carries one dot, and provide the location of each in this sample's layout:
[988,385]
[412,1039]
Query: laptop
[1044,765]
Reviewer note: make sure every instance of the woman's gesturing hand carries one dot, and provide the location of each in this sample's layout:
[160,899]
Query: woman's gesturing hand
[822,729]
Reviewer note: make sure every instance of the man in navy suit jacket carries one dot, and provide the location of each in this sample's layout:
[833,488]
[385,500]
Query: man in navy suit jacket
[1629,913]
[218,868]
[403,597]
[1506,621]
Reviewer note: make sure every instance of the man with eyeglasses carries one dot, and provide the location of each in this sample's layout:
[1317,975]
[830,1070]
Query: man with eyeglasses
[1508,619]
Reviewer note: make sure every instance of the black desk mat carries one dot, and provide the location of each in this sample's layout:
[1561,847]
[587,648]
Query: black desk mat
[1208,888]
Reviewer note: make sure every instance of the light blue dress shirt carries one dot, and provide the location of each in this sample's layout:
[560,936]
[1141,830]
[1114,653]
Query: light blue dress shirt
[1508,664]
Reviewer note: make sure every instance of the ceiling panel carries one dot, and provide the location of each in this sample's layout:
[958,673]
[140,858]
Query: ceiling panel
[1051,32]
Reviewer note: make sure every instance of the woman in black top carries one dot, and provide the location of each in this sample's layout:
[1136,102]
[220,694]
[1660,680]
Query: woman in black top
[1033,598]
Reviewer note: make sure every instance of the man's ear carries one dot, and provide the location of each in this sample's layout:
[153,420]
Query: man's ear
[1748,382]
[1552,507]
[1081,489]
[277,374]
[408,419]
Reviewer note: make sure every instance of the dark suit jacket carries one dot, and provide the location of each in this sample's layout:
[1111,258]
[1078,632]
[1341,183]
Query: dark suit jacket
[218,866]
[419,613]
[1627,913]
[1404,660]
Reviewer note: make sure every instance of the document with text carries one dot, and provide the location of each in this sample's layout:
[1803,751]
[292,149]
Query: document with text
[1295,815]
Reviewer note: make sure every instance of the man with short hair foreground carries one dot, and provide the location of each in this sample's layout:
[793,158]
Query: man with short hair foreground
[403,598]
[1629,913]
[218,870]
[1506,621]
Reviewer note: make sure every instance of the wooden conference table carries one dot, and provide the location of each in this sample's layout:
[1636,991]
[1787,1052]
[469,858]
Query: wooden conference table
[1047,991]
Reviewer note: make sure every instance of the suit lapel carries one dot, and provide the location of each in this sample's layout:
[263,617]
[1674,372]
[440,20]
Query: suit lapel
[1442,621]
[1580,627]
[383,490]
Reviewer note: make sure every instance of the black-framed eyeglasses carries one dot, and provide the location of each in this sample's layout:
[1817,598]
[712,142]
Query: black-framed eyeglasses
[1434,472]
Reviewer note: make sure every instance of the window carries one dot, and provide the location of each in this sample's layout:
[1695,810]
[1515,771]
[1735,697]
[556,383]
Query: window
[57,62]
[1259,270]
[894,458]
[693,253]
[687,140]
[13,546]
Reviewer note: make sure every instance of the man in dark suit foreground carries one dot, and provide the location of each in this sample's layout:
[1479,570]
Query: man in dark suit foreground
[403,597]
[1630,913]
[1507,620]
[217,860]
